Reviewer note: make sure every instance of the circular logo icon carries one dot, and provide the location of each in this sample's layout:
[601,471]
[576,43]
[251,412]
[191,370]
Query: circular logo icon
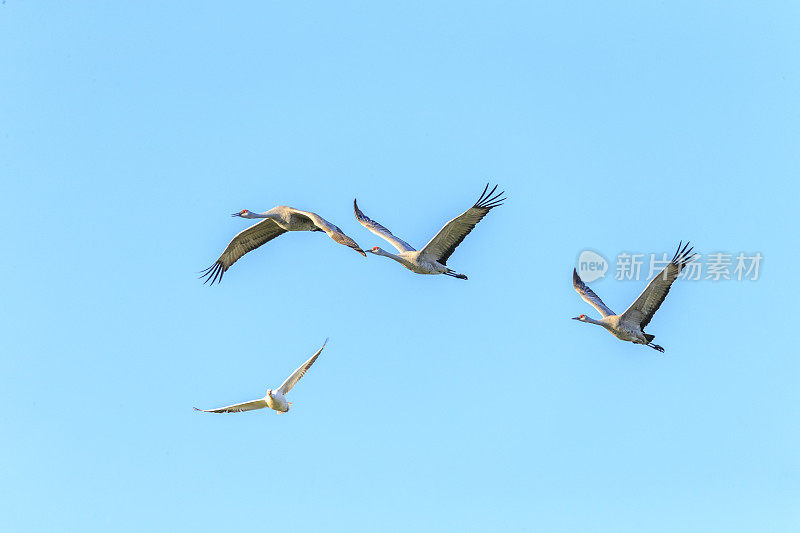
[591,266]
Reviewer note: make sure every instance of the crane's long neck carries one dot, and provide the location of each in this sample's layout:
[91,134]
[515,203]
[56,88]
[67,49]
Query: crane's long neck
[593,321]
[390,255]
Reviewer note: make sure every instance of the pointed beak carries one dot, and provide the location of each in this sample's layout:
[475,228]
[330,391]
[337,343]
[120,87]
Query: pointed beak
[576,318]
[236,214]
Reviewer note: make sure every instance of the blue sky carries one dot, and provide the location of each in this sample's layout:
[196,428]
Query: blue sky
[129,131]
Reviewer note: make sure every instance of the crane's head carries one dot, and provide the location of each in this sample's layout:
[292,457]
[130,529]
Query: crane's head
[582,318]
[375,250]
[244,213]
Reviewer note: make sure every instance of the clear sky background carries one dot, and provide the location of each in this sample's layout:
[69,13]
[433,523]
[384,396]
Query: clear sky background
[129,131]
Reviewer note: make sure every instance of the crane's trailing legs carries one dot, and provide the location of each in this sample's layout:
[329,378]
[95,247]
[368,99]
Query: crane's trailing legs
[649,338]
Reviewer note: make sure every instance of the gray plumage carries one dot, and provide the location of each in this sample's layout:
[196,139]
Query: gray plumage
[629,326]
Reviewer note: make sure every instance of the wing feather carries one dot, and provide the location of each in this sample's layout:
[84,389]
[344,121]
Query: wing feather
[651,298]
[237,407]
[292,380]
[381,231]
[333,231]
[245,241]
[589,295]
[444,243]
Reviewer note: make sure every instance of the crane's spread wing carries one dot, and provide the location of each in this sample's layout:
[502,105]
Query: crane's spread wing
[442,246]
[238,407]
[646,305]
[245,241]
[300,372]
[332,230]
[589,296]
[382,232]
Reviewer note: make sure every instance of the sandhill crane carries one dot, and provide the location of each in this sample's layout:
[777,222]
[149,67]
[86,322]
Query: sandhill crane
[275,399]
[629,326]
[432,259]
[278,221]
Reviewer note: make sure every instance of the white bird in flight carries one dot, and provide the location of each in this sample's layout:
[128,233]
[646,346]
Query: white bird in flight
[629,326]
[432,259]
[278,221]
[275,399]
